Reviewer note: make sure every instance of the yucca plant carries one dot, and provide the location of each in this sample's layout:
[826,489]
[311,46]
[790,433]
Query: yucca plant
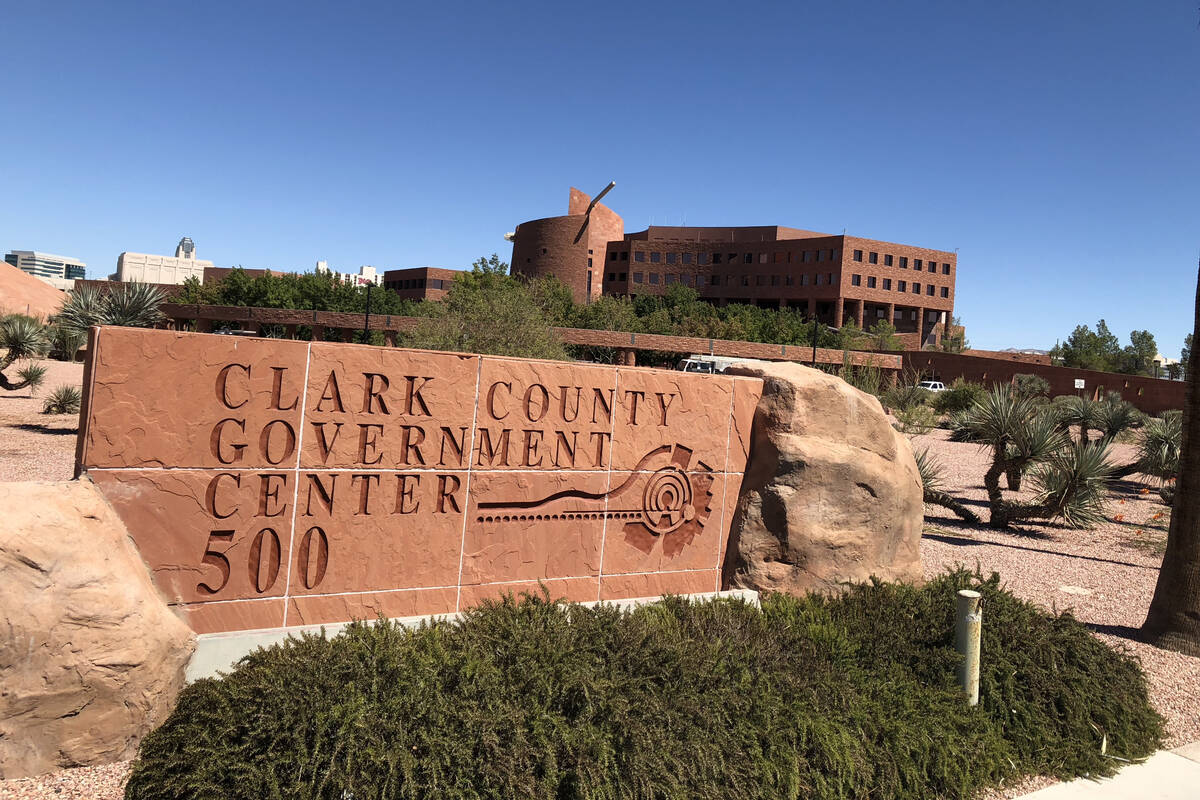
[1158,445]
[22,338]
[1114,417]
[133,305]
[1081,412]
[63,400]
[1069,476]
[932,483]
[1035,441]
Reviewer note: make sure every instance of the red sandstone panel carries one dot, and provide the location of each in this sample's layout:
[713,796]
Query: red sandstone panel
[544,415]
[324,609]
[530,525]
[374,531]
[663,521]
[383,408]
[575,590]
[170,399]
[235,615]
[620,587]
[403,482]
[657,409]
[207,534]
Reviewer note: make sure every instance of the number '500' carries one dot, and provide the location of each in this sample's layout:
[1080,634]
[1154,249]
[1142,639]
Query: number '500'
[262,565]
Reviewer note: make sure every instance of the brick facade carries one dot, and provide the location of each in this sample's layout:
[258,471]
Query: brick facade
[834,278]
[420,283]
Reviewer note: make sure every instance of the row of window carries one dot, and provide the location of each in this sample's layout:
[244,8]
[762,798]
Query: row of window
[901,286]
[805,257]
[415,283]
[889,260]
[820,279]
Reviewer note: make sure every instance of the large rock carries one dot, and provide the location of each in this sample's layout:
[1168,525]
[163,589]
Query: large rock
[91,658]
[831,493]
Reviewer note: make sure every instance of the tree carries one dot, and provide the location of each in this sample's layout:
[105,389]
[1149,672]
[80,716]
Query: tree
[1173,621]
[1071,477]
[955,340]
[22,338]
[1138,357]
[1088,349]
[488,311]
[883,336]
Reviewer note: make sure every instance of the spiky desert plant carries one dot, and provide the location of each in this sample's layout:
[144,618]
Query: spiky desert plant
[1080,412]
[1158,444]
[22,338]
[133,305]
[63,400]
[1067,483]
[1114,417]
[1033,442]
[933,485]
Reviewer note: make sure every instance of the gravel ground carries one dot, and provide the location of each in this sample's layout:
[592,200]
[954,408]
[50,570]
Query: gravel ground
[36,446]
[1104,576]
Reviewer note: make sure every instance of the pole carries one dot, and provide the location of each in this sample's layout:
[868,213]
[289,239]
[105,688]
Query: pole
[814,358]
[968,623]
[367,318]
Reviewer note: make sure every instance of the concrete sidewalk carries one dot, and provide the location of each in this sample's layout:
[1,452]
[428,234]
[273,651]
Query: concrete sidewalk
[1167,775]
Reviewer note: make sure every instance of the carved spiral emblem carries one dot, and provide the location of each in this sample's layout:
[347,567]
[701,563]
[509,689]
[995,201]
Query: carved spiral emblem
[667,500]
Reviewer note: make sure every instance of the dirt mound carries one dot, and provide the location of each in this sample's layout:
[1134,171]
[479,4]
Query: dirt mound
[23,293]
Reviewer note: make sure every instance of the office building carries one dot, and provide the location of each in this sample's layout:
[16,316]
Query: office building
[61,272]
[169,270]
[420,283]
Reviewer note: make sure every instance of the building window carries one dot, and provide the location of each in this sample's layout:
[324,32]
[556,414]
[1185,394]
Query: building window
[716,258]
[835,254]
[873,258]
[945,269]
[829,278]
[654,278]
[687,258]
[637,277]
[818,279]
[670,258]
[916,288]
[543,251]
[731,258]
[612,276]
[917,264]
[612,256]
[699,281]
[760,280]
[624,256]
[789,280]
[747,258]
[887,284]
[774,280]
[804,279]
[903,262]
[639,256]
[887,259]
[589,263]
[655,258]
[778,257]
[820,255]
[858,255]
[945,291]
[745,280]
[870,281]
[901,286]
[929,289]
[704,258]
[856,280]
[670,278]
[762,258]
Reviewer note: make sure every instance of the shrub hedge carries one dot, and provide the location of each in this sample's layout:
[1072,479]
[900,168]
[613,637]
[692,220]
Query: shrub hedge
[851,697]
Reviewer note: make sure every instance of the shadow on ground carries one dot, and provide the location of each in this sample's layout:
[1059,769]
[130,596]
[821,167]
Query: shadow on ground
[53,430]
[960,541]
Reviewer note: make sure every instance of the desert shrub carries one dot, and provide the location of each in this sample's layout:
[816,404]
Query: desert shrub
[22,338]
[916,420]
[63,400]
[1028,385]
[958,396]
[806,697]
[904,395]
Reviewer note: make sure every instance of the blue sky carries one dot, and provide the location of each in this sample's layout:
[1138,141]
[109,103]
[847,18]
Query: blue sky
[1055,145]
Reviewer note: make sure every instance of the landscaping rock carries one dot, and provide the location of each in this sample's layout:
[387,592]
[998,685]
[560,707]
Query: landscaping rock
[91,658]
[831,493]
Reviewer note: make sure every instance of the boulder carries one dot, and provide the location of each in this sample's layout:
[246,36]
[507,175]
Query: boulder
[831,492]
[91,657]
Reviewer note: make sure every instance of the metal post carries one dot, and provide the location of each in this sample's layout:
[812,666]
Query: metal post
[968,623]
[814,359]
[367,318]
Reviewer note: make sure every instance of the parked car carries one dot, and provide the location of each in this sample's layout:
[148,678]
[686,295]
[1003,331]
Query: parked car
[932,386]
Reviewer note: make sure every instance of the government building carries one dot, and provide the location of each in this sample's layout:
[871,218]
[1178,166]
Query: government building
[835,278]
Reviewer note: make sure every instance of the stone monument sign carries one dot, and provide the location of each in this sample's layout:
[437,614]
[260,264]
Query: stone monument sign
[270,483]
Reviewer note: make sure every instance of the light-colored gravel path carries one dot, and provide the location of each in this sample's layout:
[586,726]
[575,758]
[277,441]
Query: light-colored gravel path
[36,446]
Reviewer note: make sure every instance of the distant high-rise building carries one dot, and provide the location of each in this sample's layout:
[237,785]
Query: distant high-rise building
[58,271]
[147,268]
[366,274]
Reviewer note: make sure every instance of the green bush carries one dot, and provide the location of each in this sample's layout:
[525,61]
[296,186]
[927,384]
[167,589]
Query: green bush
[958,396]
[63,400]
[1028,385]
[916,419]
[808,697]
[904,396]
